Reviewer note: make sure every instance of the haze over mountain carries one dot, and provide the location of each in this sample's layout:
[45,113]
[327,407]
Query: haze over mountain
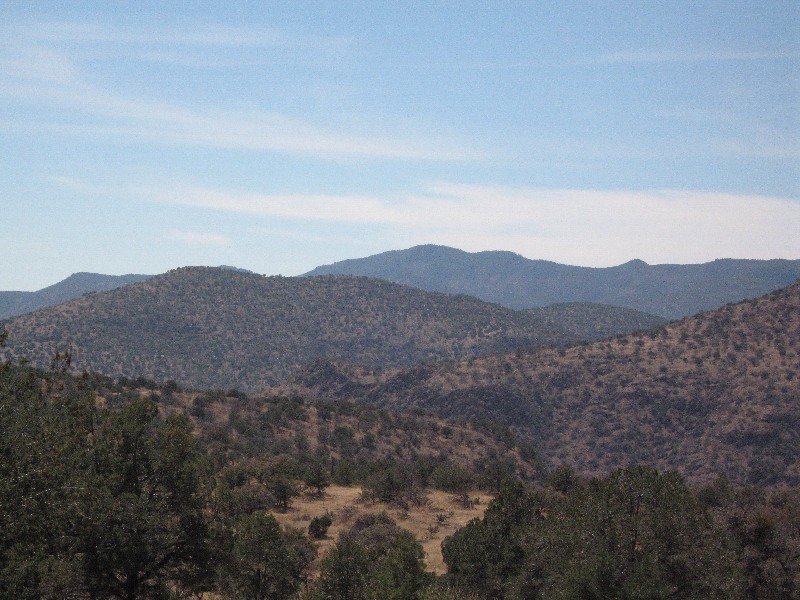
[671,291]
[18,303]
[219,328]
[712,394]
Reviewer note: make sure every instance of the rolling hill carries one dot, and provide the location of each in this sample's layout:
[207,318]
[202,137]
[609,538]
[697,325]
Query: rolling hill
[13,304]
[712,394]
[218,328]
[671,291]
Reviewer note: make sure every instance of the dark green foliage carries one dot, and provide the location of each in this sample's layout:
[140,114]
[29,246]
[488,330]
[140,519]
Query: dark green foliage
[391,482]
[636,534]
[451,478]
[44,458]
[148,527]
[373,560]
[766,528]
[317,476]
[318,527]
[262,562]
[102,502]
[343,574]
[563,479]
[487,555]
[495,469]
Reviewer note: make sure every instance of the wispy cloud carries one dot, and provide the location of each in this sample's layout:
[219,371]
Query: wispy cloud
[205,35]
[195,238]
[320,207]
[657,56]
[159,122]
[608,227]
[35,70]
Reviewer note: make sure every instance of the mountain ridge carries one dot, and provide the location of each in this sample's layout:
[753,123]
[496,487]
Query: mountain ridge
[509,279]
[217,328]
[15,303]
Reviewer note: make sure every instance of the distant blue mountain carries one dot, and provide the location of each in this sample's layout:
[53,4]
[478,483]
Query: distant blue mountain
[670,291]
[77,284]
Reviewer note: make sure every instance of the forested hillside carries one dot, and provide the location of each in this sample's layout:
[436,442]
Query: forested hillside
[217,328]
[711,394]
[133,505]
[671,291]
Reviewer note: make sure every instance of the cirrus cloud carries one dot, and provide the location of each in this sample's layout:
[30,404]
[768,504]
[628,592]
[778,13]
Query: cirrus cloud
[589,227]
[198,239]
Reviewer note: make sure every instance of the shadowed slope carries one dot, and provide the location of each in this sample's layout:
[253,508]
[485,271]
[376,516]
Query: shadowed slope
[715,393]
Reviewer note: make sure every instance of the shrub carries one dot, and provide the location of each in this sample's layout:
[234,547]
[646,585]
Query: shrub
[318,528]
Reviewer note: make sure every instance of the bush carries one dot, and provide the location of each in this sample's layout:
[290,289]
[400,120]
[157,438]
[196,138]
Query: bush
[318,528]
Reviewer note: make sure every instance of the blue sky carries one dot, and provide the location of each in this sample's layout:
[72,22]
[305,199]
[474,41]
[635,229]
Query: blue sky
[138,137]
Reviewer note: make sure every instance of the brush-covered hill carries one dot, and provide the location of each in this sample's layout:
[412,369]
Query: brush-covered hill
[591,322]
[77,284]
[354,436]
[718,393]
[218,328]
[671,291]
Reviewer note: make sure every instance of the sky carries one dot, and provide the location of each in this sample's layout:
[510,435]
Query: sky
[136,137]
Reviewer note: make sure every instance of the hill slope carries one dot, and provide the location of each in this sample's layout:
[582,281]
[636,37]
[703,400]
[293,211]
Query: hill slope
[210,327]
[715,393]
[77,284]
[671,291]
[591,322]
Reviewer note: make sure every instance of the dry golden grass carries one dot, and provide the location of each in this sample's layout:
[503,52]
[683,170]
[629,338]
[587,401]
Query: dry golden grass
[430,522]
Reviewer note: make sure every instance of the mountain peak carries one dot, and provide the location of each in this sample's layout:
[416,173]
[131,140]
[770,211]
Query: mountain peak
[636,263]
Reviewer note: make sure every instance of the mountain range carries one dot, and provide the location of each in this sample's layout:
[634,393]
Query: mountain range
[670,291]
[714,394]
[218,328]
[18,303]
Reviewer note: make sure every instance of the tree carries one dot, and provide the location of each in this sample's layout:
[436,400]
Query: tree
[343,573]
[283,489]
[264,562]
[452,478]
[317,477]
[148,532]
[635,534]
[318,527]
[43,491]
[374,560]
[487,554]
[400,573]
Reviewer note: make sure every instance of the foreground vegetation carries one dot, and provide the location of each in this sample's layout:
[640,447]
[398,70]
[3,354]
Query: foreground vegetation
[105,496]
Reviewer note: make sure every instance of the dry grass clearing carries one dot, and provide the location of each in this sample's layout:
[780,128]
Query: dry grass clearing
[430,522]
